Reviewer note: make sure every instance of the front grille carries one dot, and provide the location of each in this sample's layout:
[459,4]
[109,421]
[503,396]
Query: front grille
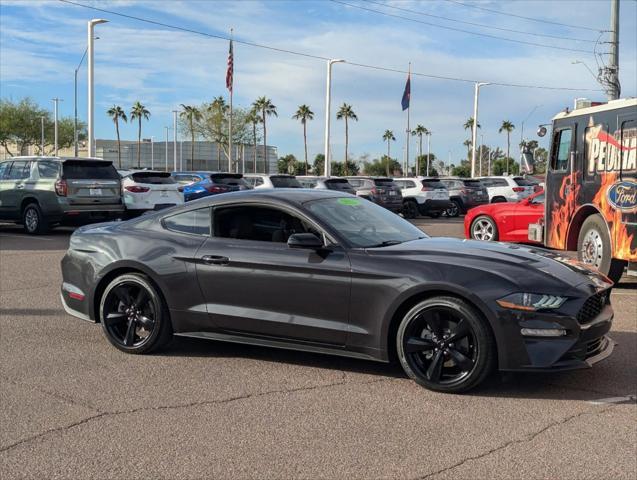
[593,307]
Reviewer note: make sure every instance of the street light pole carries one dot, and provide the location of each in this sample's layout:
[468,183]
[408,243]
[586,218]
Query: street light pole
[166,157]
[91,126]
[152,153]
[55,125]
[328,99]
[474,130]
[175,140]
[481,145]
[42,134]
[75,103]
[428,151]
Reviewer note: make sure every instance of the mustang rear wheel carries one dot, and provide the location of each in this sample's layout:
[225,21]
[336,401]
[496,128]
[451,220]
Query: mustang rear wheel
[133,315]
[444,344]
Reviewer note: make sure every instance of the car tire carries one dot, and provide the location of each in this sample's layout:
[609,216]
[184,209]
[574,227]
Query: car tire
[444,344]
[133,314]
[33,220]
[455,210]
[484,228]
[594,248]
[410,209]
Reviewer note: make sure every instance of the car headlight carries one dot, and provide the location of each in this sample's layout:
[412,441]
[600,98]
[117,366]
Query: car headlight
[531,301]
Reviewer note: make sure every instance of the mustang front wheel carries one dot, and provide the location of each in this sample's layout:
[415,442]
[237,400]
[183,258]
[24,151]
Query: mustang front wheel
[444,344]
[133,315]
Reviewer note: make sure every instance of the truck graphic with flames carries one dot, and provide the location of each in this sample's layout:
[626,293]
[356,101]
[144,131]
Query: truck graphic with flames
[591,186]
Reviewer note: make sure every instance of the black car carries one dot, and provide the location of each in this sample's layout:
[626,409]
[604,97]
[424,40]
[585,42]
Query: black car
[322,271]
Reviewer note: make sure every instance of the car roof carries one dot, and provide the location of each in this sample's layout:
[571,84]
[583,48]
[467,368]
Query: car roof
[293,196]
[54,159]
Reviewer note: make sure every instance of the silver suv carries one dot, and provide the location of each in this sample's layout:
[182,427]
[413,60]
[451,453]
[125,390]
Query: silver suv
[465,193]
[40,192]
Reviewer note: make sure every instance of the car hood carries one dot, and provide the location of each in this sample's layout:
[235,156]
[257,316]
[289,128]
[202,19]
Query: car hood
[508,260]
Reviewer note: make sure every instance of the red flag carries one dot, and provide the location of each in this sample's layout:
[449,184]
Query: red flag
[230,71]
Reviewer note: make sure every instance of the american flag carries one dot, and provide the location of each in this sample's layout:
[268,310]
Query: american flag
[230,71]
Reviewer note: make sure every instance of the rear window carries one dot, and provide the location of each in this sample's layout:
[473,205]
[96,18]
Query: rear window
[194,222]
[153,178]
[86,169]
[285,182]
[308,182]
[523,182]
[338,184]
[229,179]
[433,184]
[472,183]
[384,182]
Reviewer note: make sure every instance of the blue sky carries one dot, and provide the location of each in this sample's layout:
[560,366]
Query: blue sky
[41,43]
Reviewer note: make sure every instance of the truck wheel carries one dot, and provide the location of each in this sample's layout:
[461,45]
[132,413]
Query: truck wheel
[594,248]
[33,220]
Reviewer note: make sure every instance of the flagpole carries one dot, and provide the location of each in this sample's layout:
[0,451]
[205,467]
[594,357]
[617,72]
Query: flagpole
[230,118]
[408,129]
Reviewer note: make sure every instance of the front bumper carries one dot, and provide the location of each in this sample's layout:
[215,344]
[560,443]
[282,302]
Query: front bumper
[581,346]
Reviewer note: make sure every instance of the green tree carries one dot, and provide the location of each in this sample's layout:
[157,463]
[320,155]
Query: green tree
[423,161]
[507,127]
[419,131]
[218,110]
[289,164]
[462,170]
[388,137]
[267,108]
[540,157]
[117,113]
[382,166]
[191,114]
[318,165]
[500,166]
[468,125]
[347,113]
[467,143]
[139,112]
[304,113]
[339,169]
[253,118]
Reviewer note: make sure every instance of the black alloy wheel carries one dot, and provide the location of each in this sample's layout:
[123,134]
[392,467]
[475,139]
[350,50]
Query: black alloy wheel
[454,210]
[133,315]
[443,344]
[410,209]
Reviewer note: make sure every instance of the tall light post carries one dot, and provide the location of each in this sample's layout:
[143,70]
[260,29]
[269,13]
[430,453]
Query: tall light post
[166,157]
[55,125]
[428,151]
[75,102]
[152,153]
[481,145]
[91,126]
[175,140]
[42,134]
[328,100]
[474,130]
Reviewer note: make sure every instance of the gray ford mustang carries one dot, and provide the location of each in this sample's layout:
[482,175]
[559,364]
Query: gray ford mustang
[328,272]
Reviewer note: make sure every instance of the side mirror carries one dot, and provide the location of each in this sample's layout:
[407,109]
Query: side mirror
[305,240]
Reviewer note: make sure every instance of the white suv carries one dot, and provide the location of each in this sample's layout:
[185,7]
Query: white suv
[507,189]
[256,180]
[424,196]
[145,190]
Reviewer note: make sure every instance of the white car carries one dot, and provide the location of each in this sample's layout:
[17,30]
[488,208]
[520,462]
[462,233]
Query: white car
[507,189]
[145,190]
[256,180]
[424,196]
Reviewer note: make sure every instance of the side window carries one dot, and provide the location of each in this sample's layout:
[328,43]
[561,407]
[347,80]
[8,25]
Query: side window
[561,149]
[17,171]
[262,224]
[194,222]
[410,184]
[354,182]
[400,184]
[628,140]
[258,181]
[486,182]
[5,167]
[48,169]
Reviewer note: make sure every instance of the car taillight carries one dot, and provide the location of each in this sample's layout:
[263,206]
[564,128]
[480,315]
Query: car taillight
[61,187]
[373,191]
[180,189]
[215,189]
[518,189]
[136,189]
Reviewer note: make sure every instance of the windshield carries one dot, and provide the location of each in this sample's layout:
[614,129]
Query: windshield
[362,223]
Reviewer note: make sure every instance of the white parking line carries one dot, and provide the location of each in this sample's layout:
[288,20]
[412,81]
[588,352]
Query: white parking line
[604,401]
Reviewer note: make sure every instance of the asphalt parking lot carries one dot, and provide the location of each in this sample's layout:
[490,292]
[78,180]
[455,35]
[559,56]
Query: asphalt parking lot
[75,407]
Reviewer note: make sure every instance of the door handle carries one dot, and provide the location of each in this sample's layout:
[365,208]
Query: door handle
[215,260]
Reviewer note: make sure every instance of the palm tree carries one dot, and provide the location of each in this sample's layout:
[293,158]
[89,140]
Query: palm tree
[304,114]
[265,106]
[139,112]
[468,125]
[388,136]
[467,143]
[116,113]
[191,115]
[254,118]
[507,127]
[218,107]
[419,131]
[346,112]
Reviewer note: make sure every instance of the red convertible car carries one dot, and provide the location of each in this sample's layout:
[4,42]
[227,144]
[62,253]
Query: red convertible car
[505,222]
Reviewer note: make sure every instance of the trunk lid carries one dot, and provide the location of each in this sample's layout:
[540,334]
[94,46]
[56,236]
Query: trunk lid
[91,182]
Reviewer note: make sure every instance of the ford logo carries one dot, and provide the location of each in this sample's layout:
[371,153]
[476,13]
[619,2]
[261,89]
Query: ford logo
[623,196]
